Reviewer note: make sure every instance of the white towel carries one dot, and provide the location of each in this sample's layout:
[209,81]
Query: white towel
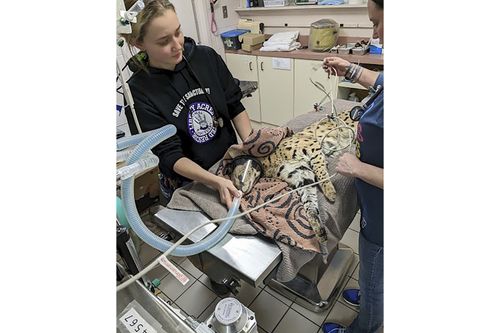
[286,36]
[285,44]
[280,47]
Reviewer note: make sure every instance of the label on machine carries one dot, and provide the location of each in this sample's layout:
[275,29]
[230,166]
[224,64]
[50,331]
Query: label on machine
[134,322]
[174,270]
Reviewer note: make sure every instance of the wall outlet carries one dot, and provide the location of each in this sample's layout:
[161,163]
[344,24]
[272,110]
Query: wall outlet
[224,11]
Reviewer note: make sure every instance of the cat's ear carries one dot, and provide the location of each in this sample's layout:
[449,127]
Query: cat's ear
[228,169]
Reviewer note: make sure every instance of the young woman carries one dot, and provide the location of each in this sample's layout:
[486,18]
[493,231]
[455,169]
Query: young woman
[367,167]
[178,82]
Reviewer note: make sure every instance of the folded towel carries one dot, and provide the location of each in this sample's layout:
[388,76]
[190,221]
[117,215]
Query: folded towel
[281,47]
[287,36]
[278,44]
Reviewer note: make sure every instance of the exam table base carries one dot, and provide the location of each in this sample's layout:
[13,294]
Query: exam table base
[318,297]
[254,260]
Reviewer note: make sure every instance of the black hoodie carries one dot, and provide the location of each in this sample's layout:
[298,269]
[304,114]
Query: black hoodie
[175,97]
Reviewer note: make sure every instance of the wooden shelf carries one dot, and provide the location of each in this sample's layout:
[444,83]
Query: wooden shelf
[303,7]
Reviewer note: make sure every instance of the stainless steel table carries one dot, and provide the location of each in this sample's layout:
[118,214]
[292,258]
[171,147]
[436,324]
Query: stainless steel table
[247,257]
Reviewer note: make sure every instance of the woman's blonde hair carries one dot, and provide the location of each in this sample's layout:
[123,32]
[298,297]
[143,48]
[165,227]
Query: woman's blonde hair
[152,9]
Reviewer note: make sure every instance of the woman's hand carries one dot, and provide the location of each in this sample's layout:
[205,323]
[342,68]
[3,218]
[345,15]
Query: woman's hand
[348,165]
[339,64]
[227,190]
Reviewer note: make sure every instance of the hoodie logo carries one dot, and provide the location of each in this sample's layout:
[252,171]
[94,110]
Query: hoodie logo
[186,97]
[200,122]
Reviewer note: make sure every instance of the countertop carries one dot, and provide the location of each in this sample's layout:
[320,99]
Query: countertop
[371,59]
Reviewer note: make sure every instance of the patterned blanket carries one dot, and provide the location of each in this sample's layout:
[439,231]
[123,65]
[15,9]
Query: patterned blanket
[284,220]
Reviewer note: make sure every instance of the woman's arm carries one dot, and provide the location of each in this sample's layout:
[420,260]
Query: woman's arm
[367,78]
[243,125]
[189,169]
[350,165]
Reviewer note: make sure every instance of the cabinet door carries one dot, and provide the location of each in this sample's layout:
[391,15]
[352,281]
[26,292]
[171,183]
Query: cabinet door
[244,67]
[276,91]
[306,94]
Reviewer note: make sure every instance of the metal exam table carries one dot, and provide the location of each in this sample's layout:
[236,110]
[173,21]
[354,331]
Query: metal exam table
[254,259]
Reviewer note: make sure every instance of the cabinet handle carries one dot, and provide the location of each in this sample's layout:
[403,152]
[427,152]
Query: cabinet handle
[250,65]
[261,64]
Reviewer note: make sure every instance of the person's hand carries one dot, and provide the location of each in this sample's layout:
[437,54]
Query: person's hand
[227,191]
[339,64]
[348,164]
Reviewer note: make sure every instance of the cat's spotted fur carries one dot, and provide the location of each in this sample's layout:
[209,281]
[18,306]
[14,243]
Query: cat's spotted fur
[300,160]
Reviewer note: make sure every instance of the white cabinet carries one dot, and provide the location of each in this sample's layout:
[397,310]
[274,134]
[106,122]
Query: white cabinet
[285,88]
[276,91]
[272,103]
[306,94]
[244,67]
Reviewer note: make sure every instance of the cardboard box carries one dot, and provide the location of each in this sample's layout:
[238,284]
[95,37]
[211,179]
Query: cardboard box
[253,39]
[255,27]
[250,48]
[147,183]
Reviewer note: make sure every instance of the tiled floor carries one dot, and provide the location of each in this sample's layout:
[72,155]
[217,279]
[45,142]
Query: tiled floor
[274,313]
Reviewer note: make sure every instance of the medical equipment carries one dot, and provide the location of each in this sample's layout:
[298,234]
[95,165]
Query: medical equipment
[139,310]
[213,23]
[230,316]
[357,111]
[124,20]
[127,251]
[126,17]
[154,315]
[135,220]
[323,35]
[333,116]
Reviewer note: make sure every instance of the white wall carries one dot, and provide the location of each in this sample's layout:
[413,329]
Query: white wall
[355,20]
[185,13]
[204,17]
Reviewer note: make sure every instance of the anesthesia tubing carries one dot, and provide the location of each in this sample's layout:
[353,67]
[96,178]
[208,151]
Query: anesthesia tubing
[129,141]
[135,220]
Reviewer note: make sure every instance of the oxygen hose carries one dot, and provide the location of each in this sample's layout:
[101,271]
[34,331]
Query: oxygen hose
[135,220]
[129,141]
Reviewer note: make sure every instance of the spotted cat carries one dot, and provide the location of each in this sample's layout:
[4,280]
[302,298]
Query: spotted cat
[300,160]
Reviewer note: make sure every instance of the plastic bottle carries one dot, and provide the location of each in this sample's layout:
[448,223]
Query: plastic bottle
[134,10]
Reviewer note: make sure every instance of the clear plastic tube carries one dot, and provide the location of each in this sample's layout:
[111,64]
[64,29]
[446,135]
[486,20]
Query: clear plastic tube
[135,220]
[122,155]
[130,141]
[135,168]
